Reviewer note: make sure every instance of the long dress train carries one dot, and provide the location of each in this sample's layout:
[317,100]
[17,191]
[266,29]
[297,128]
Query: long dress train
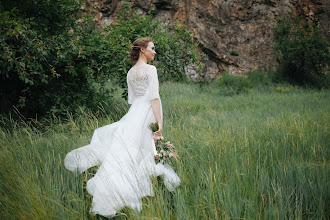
[124,152]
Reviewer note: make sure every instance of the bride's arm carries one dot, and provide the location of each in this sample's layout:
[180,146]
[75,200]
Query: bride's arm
[155,103]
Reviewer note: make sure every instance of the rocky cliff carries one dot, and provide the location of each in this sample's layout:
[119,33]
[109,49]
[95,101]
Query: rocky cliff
[233,33]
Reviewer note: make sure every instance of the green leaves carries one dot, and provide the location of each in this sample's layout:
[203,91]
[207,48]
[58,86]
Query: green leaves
[49,72]
[51,17]
[60,70]
[303,52]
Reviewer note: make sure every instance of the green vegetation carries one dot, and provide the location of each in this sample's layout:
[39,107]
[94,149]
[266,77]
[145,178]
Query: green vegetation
[51,17]
[257,155]
[55,60]
[233,52]
[248,148]
[303,53]
[230,84]
[43,70]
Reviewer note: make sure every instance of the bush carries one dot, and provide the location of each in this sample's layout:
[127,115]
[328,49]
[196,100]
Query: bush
[51,17]
[259,78]
[231,84]
[43,73]
[303,52]
[233,52]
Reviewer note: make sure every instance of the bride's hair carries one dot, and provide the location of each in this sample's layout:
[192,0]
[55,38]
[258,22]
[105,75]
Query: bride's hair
[137,45]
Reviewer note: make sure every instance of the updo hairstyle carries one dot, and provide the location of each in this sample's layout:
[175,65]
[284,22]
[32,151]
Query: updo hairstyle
[137,45]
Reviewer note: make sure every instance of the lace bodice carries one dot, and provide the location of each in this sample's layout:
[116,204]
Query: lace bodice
[142,82]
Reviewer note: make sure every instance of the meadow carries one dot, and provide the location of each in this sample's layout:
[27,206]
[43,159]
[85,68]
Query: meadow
[261,154]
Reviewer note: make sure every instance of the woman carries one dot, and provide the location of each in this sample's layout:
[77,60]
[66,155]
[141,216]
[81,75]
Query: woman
[124,149]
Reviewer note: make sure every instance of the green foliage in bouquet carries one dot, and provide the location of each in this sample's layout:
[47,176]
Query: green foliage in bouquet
[154,127]
[165,151]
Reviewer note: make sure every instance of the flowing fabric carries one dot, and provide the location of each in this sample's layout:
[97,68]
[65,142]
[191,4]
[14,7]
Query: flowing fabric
[124,152]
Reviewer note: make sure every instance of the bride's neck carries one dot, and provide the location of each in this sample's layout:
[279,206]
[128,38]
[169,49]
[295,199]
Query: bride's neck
[141,61]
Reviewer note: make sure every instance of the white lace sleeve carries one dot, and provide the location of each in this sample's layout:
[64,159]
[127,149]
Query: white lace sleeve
[131,94]
[153,84]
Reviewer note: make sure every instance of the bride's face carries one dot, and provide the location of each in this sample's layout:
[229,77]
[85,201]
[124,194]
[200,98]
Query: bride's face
[149,51]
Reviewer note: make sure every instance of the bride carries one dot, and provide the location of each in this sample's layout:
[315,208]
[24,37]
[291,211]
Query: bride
[124,150]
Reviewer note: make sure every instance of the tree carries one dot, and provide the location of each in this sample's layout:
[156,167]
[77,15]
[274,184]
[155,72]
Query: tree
[303,52]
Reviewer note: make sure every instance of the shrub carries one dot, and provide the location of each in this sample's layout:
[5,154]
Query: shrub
[303,52]
[231,84]
[43,73]
[233,52]
[259,78]
[51,17]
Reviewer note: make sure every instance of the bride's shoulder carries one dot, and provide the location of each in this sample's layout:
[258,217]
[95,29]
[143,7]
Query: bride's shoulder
[142,68]
[152,68]
[149,66]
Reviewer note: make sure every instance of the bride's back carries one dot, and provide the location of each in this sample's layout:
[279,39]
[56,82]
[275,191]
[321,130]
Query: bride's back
[138,78]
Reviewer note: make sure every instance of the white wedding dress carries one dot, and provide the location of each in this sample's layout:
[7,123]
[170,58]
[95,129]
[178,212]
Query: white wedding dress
[124,151]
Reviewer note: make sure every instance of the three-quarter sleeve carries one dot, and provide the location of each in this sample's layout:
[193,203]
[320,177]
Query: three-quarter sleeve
[153,84]
[130,91]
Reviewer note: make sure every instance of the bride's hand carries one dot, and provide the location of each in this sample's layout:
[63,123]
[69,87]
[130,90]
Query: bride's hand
[160,130]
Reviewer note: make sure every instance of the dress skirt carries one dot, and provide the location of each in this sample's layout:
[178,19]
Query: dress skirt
[124,152]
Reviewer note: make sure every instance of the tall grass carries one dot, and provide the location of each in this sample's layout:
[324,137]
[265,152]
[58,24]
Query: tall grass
[259,155]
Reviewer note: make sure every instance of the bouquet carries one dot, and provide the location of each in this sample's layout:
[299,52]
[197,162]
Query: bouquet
[164,150]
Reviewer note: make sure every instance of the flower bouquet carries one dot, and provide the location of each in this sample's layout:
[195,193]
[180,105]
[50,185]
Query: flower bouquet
[164,150]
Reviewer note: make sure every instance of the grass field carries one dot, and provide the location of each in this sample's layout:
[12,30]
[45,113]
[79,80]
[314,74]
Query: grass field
[258,155]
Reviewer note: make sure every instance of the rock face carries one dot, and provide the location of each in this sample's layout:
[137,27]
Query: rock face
[234,34]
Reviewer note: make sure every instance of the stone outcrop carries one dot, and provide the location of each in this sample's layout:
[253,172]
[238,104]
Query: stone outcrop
[235,34]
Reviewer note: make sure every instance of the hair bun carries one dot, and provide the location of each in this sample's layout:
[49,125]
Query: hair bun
[137,45]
